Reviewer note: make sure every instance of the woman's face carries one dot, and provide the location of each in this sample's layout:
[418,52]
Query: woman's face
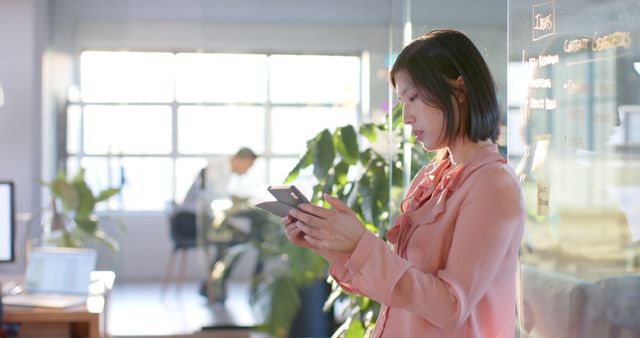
[426,121]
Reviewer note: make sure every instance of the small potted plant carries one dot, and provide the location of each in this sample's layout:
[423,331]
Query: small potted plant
[71,221]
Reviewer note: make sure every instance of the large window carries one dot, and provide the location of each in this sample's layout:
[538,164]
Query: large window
[151,120]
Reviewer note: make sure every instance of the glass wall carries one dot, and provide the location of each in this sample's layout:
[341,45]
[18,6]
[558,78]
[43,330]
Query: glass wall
[574,108]
[485,23]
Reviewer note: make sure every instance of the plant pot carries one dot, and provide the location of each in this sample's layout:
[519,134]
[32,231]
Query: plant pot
[311,321]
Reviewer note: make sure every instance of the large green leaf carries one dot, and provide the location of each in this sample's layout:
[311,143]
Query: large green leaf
[328,184]
[304,162]
[68,241]
[380,191]
[366,156]
[305,265]
[79,177]
[87,202]
[323,155]
[307,159]
[106,240]
[88,225]
[107,194]
[346,143]
[396,116]
[397,173]
[368,199]
[277,302]
[355,330]
[340,171]
[67,194]
[368,130]
[293,174]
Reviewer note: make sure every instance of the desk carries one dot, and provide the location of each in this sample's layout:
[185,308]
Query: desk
[79,321]
[87,320]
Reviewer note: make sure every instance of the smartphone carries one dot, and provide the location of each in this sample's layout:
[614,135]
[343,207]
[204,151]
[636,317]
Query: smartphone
[288,197]
[288,194]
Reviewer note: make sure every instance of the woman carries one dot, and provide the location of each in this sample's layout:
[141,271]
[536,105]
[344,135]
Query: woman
[452,269]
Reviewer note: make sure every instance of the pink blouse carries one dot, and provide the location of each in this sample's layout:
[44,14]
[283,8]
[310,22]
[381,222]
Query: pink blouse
[452,269]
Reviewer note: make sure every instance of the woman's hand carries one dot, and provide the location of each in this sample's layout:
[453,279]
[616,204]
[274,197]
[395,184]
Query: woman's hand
[294,234]
[336,229]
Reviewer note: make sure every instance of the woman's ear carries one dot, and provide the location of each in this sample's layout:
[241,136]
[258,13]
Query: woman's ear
[460,89]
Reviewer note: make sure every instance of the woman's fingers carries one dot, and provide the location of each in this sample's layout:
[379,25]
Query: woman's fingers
[287,220]
[316,210]
[305,217]
[309,230]
[293,232]
[315,242]
[336,203]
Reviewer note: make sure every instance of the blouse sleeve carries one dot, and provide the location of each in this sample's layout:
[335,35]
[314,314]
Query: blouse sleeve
[488,229]
[339,270]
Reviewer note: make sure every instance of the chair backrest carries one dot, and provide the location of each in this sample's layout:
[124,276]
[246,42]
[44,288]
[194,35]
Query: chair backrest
[613,305]
[183,228]
[554,302]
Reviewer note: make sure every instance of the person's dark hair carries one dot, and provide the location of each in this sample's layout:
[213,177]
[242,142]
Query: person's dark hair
[246,153]
[434,59]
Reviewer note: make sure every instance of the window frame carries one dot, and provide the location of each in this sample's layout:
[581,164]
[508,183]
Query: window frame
[174,105]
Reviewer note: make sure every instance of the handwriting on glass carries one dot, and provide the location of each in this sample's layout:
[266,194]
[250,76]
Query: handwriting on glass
[544,20]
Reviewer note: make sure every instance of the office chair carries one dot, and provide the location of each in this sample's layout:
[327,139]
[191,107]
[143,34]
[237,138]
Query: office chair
[612,308]
[183,233]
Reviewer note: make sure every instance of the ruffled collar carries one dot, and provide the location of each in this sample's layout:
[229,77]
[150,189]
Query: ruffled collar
[431,188]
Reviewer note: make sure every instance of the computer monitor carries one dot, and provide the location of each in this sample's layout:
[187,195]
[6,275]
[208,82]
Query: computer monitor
[7,221]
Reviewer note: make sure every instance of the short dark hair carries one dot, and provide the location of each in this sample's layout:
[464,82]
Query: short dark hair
[437,57]
[246,153]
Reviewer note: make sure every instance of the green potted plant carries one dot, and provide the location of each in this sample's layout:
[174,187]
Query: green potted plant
[354,167]
[373,193]
[71,221]
[278,279]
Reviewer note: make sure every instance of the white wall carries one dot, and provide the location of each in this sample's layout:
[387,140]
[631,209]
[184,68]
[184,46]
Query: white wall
[23,33]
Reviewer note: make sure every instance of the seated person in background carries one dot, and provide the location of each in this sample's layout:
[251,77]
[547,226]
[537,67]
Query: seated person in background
[213,181]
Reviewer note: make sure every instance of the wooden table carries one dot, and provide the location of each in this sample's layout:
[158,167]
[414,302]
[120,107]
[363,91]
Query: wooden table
[82,321]
[78,321]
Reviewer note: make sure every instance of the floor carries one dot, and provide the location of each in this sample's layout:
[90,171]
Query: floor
[139,309]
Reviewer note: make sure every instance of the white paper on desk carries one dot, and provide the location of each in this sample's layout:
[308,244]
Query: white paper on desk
[628,198]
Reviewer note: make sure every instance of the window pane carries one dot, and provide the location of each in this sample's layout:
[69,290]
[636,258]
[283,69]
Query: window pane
[279,168]
[73,165]
[315,79]
[127,77]
[127,129]
[515,144]
[294,126]
[100,174]
[633,125]
[222,78]
[73,129]
[519,76]
[220,130]
[147,180]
